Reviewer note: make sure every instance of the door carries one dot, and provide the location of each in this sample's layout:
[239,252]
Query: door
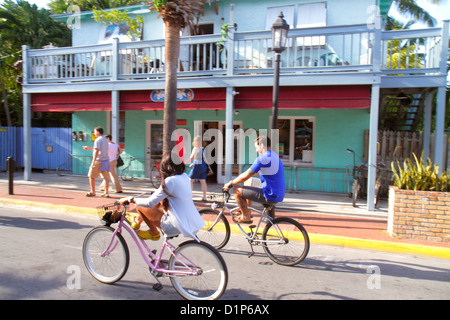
[153,144]
[213,134]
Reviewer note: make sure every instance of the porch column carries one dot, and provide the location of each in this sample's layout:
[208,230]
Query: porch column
[373,137]
[26,118]
[229,132]
[374,115]
[115,115]
[440,99]
[27,136]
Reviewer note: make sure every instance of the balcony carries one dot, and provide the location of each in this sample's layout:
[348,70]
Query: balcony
[345,51]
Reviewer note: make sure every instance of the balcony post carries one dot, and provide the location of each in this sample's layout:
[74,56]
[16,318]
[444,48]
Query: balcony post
[374,115]
[230,43]
[115,111]
[229,134]
[440,101]
[27,136]
[26,118]
[115,60]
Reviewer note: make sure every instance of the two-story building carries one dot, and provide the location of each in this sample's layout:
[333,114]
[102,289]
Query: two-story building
[335,71]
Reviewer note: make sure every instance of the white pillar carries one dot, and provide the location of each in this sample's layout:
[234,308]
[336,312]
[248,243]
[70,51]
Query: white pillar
[373,136]
[115,115]
[27,136]
[229,135]
[440,99]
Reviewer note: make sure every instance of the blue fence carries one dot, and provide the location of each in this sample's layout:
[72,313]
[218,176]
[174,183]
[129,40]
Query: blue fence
[49,147]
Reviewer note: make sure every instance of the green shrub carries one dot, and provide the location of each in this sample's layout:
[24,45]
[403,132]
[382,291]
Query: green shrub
[418,175]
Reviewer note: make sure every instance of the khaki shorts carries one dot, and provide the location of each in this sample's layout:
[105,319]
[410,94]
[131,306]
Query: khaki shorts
[94,172]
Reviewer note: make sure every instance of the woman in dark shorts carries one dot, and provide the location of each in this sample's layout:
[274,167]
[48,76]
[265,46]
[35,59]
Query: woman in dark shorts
[199,167]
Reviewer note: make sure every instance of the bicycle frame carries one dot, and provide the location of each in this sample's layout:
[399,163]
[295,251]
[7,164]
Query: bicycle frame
[251,236]
[146,252]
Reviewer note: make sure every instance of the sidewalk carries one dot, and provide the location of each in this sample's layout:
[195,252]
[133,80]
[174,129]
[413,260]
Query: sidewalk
[329,219]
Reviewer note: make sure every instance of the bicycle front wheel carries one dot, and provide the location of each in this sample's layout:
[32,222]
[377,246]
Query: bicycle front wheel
[105,255]
[285,241]
[156,177]
[355,191]
[216,231]
[199,271]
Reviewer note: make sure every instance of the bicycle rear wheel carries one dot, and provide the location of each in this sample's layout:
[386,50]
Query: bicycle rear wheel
[286,242]
[217,229]
[210,277]
[105,257]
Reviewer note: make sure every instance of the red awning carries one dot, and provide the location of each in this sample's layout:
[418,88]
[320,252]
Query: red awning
[309,97]
[71,101]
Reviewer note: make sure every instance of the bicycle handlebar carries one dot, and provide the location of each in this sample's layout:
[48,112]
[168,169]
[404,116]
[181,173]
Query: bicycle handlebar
[127,202]
[226,194]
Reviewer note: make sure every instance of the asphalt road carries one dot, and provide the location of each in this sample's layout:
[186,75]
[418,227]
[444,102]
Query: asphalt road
[40,258]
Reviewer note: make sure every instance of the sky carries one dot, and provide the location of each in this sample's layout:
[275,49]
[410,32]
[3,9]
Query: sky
[440,12]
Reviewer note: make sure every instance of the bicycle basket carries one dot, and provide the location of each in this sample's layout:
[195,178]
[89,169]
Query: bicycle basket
[109,213]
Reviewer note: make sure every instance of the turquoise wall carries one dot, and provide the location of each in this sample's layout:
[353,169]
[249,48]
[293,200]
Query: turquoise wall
[335,131]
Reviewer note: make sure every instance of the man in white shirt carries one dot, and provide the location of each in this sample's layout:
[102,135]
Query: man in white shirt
[100,162]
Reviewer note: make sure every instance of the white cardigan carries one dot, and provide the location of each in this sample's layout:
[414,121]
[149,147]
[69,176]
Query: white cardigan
[181,205]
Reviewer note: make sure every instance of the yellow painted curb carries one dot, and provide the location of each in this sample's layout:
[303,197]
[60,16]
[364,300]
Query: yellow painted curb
[441,252]
[51,206]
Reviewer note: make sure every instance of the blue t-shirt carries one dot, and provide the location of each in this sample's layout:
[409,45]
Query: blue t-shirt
[271,171]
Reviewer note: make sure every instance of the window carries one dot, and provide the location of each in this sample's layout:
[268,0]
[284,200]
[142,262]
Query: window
[312,15]
[296,139]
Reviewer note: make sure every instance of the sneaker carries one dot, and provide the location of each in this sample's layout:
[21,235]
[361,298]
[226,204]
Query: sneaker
[147,236]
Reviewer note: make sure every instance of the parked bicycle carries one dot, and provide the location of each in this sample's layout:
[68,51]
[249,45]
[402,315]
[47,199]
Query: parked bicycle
[359,183]
[126,174]
[156,175]
[284,240]
[196,270]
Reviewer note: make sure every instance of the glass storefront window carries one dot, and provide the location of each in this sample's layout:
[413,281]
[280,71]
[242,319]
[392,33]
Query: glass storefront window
[296,137]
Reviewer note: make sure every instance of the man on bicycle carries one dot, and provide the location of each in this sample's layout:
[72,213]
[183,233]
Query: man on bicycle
[271,170]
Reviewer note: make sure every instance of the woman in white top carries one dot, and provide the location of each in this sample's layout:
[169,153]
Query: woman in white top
[113,151]
[173,197]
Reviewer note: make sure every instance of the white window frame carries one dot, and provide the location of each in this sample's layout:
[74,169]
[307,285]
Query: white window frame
[290,160]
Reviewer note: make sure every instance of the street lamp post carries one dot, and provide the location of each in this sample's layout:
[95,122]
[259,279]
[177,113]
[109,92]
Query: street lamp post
[279,35]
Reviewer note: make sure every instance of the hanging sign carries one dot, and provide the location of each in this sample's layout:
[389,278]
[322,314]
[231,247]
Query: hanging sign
[182,95]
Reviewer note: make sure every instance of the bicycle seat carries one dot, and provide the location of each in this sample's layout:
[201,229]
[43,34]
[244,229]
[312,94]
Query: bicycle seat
[269,204]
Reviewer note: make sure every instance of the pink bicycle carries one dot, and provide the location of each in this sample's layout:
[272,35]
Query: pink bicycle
[196,270]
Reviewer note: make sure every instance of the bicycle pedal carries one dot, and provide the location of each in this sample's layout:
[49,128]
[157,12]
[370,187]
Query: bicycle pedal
[158,286]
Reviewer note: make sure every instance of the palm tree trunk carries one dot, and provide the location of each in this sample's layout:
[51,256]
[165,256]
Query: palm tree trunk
[172,51]
[5,103]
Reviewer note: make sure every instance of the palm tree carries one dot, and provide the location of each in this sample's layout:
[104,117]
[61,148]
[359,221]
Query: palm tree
[23,23]
[176,14]
[410,7]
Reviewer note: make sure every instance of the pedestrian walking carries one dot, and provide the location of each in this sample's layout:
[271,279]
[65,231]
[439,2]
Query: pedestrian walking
[114,151]
[199,167]
[100,162]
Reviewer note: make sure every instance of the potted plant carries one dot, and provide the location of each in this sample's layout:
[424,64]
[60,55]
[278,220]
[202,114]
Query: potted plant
[419,203]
